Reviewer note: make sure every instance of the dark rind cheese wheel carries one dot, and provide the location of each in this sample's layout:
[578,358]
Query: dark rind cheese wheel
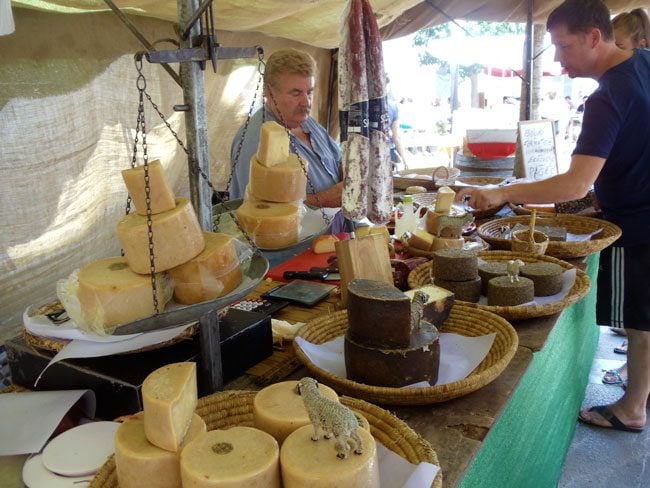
[547,277]
[455,264]
[504,293]
[468,291]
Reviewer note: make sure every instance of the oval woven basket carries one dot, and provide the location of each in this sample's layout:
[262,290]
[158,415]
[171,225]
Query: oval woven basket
[463,320]
[574,224]
[422,276]
[429,200]
[231,408]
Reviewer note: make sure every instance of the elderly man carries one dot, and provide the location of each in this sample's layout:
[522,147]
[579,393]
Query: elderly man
[613,154]
[288,89]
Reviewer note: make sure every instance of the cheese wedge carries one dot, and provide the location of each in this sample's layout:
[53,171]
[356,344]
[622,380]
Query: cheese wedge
[177,238]
[106,293]
[274,144]
[281,183]
[444,199]
[270,225]
[169,396]
[421,239]
[233,458]
[306,463]
[213,273]
[160,193]
[279,410]
[139,463]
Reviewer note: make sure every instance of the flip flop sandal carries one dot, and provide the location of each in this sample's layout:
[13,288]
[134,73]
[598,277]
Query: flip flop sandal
[618,331]
[613,377]
[622,349]
[607,414]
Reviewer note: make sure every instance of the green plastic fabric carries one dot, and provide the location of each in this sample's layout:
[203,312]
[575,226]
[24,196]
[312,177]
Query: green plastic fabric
[528,444]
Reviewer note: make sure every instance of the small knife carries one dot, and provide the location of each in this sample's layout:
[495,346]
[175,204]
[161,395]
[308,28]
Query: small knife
[332,273]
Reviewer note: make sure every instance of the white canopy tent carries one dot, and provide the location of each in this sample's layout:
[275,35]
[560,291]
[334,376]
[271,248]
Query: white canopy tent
[68,107]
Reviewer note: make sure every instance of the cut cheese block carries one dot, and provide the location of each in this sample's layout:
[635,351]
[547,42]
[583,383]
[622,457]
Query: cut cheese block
[106,293]
[270,225]
[139,463]
[282,183]
[379,314]
[421,239]
[169,396]
[306,463]
[324,244]
[395,367]
[177,238]
[438,306]
[233,458]
[279,410]
[444,199]
[160,193]
[274,144]
[212,274]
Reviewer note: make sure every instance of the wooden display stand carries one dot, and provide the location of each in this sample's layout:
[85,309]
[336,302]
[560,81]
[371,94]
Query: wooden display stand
[364,258]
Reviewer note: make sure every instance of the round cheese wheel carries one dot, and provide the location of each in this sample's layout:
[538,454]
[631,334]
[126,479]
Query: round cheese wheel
[316,465]
[270,225]
[177,238]
[232,458]
[279,410]
[283,182]
[107,293]
[215,272]
[139,463]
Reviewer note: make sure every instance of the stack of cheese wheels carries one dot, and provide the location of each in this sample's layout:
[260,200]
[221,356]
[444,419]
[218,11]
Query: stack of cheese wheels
[457,270]
[315,464]
[168,423]
[231,458]
[215,272]
[271,213]
[433,238]
[278,409]
[107,293]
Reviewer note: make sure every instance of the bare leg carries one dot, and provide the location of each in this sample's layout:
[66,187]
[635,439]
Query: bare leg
[631,407]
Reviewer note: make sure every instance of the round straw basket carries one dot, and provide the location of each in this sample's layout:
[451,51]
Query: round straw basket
[521,242]
[445,176]
[231,408]
[463,320]
[574,224]
[421,276]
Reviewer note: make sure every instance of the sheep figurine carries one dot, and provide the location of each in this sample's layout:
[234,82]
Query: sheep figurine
[512,269]
[334,418]
[455,223]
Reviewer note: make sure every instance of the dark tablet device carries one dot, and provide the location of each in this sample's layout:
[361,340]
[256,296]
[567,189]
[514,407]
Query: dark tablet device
[302,292]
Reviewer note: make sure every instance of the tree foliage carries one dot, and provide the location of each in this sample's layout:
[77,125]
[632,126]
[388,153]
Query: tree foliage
[472,29]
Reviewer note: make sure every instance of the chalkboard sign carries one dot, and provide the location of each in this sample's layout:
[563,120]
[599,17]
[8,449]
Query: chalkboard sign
[537,139]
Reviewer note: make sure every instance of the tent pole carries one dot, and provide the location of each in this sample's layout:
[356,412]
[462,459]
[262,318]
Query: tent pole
[193,85]
[529,62]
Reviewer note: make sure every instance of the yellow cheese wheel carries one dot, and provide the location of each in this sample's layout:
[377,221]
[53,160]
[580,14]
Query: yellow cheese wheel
[169,396]
[177,238]
[306,463]
[447,243]
[274,144]
[270,225]
[213,273]
[106,293]
[281,183]
[139,463]
[279,410]
[233,458]
[160,193]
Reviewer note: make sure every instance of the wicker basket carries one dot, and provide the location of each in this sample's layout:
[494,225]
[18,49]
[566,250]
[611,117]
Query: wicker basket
[574,224]
[231,408]
[463,320]
[521,242]
[422,276]
[445,176]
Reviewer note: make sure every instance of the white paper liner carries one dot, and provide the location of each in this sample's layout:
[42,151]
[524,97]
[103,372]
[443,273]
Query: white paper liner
[459,356]
[395,471]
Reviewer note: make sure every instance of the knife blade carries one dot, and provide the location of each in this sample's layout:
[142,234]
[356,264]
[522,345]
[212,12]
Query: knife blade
[332,273]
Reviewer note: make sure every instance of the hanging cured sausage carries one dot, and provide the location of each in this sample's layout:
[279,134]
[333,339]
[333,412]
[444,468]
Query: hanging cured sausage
[367,179]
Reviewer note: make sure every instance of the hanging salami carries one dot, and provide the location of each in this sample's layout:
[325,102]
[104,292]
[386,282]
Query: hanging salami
[367,179]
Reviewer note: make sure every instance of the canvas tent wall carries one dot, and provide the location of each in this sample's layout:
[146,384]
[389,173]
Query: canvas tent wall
[68,104]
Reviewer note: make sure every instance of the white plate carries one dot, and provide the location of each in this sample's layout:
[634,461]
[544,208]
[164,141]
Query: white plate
[82,450]
[35,475]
